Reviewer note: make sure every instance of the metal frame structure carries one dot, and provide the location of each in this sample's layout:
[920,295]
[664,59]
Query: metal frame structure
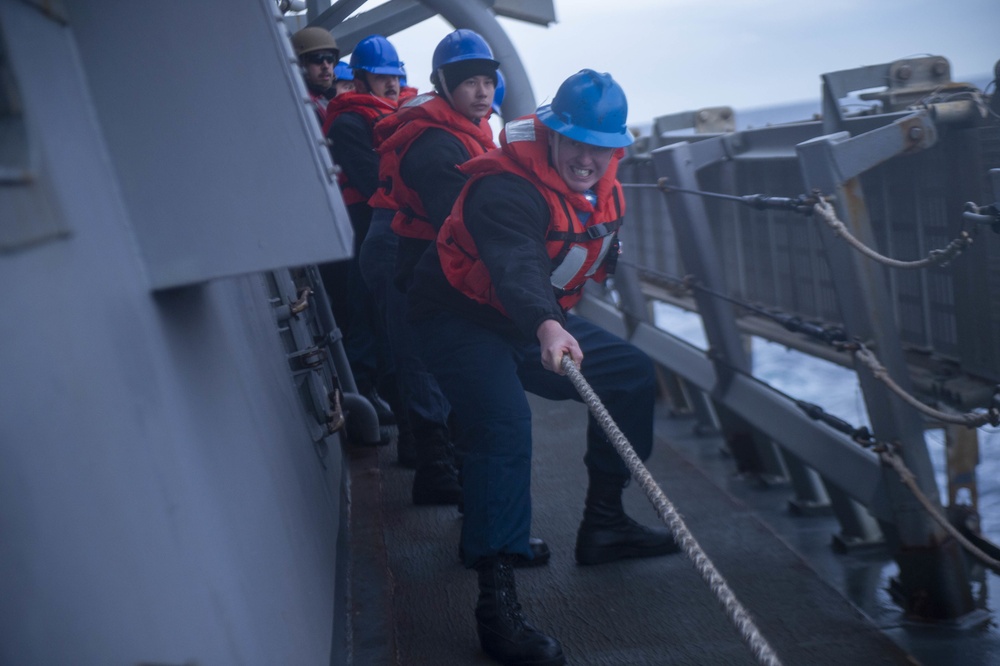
[681,233]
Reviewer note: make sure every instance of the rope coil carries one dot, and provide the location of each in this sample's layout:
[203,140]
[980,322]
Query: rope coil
[739,615]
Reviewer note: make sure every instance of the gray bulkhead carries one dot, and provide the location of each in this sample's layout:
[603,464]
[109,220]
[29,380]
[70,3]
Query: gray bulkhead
[161,500]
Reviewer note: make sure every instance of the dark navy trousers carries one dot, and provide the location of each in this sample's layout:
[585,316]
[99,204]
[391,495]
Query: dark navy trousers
[485,375]
[421,400]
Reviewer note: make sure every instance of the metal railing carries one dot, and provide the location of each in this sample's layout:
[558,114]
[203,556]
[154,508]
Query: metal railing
[899,181]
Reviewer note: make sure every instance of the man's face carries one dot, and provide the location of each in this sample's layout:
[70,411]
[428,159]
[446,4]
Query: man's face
[581,165]
[343,86]
[473,97]
[319,68]
[384,85]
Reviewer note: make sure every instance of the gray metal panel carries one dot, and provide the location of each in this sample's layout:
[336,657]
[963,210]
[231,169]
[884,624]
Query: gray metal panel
[221,162]
[160,497]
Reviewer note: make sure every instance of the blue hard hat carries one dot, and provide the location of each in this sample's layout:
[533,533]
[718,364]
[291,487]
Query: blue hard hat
[343,72]
[591,108]
[461,45]
[376,55]
[499,92]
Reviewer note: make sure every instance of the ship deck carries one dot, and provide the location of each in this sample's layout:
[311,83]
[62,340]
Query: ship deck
[412,601]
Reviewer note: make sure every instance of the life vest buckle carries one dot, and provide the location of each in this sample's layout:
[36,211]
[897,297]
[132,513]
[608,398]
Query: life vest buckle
[601,230]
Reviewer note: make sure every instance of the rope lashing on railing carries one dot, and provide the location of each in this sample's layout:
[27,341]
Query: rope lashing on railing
[934,257]
[806,205]
[906,476]
[739,616]
[969,419]
[835,336]
[825,333]
[864,437]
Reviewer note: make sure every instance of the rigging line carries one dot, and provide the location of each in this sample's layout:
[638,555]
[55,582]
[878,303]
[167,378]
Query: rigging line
[969,419]
[670,188]
[736,612]
[835,337]
[800,204]
[828,334]
[942,256]
[906,476]
[888,457]
[807,205]
[860,435]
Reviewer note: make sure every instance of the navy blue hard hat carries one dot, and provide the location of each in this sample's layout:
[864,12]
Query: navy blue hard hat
[343,72]
[376,55]
[591,108]
[462,45]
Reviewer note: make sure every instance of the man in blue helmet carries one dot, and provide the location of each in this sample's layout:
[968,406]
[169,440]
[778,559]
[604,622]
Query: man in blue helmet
[350,119]
[343,78]
[420,147]
[489,307]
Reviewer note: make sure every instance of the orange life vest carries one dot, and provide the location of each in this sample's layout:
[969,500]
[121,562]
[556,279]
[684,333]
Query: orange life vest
[407,93]
[395,134]
[579,250]
[369,107]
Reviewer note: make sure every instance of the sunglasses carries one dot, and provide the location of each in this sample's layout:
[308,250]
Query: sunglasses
[317,58]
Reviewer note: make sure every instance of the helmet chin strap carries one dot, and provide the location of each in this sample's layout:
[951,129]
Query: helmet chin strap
[362,76]
[556,141]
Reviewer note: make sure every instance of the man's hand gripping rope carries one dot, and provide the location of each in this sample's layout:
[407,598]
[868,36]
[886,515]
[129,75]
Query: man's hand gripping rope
[556,342]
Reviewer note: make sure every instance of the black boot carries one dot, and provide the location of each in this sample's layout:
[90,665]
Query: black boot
[504,634]
[607,534]
[436,479]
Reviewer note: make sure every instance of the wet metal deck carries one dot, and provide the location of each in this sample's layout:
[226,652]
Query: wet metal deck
[413,601]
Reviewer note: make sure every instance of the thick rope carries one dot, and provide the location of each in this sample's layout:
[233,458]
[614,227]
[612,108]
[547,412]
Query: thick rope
[953,249]
[739,616]
[970,419]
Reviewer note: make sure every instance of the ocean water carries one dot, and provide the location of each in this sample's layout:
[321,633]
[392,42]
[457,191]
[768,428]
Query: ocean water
[837,391]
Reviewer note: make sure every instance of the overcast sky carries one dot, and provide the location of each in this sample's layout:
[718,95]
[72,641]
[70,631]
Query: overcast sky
[678,55]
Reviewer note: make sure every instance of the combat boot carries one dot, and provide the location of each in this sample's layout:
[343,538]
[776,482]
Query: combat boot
[504,634]
[607,534]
